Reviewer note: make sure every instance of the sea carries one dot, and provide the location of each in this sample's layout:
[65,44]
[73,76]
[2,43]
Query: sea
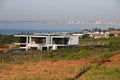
[17,28]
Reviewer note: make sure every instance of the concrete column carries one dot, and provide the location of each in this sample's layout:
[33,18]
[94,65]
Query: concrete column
[30,39]
[46,40]
[51,41]
[27,39]
[26,43]
[47,48]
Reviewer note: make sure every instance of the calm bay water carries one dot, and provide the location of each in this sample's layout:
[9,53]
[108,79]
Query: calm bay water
[15,28]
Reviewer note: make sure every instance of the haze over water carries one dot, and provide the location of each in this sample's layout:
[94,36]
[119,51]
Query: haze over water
[56,10]
[15,28]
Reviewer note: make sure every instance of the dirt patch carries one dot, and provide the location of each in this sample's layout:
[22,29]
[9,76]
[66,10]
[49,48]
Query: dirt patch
[115,59]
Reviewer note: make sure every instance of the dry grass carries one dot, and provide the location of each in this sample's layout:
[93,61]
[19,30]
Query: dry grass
[107,71]
[61,70]
[42,70]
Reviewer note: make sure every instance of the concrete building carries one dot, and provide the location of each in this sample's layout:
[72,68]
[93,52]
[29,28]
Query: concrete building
[47,41]
[115,33]
[86,31]
[78,34]
[99,35]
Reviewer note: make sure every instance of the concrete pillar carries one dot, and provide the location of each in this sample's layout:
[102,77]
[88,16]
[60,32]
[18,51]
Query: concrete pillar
[51,40]
[29,39]
[47,47]
[27,43]
[46,40]
[54,47]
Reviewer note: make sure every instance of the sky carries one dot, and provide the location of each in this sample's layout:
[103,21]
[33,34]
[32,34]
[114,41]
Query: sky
[91,10]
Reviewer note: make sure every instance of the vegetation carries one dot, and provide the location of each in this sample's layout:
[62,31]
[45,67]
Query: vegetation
[93,50]
[7,39]
[103,73]
[88,48]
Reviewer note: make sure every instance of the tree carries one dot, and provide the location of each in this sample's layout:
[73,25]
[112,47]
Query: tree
[7,39]
[111,35]
[85,36]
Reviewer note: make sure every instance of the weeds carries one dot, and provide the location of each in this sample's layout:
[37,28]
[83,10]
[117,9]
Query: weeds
[106,55]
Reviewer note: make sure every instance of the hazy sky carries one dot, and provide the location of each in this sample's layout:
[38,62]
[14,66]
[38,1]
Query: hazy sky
[60,10]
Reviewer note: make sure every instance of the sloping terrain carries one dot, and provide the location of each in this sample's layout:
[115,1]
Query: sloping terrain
[115,59]
[45,70]
[62,70]
[109,70]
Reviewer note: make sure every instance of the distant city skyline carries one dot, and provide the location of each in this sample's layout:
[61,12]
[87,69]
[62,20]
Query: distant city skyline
[75,22]
[60,10]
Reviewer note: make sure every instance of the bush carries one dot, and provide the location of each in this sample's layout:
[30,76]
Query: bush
[83,53]
[78,55]
[106,55]
[7,39]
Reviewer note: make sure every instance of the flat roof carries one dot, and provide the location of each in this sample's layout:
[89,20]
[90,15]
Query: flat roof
[45,35]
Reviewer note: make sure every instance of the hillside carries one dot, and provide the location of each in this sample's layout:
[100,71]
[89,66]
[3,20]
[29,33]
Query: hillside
[89,61]
[62,70]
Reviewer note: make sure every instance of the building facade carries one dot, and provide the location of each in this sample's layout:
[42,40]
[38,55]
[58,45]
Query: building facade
[47,41]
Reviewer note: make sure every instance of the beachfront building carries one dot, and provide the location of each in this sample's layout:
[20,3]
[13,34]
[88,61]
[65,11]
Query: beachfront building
[114,33]
[78,34]
[99,35]
[42,41]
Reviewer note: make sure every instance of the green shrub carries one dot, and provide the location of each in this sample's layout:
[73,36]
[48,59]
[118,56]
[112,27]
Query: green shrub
[78,55]
[7,39]
[106,55]
[83,53]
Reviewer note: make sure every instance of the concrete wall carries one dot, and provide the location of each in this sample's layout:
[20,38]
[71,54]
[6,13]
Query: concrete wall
[74,40]
[65,40]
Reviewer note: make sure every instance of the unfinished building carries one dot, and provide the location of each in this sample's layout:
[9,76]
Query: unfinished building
[47,41]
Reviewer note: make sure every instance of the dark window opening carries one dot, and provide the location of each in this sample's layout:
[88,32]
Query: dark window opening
[22,39]
[60,40]
[33,48]
[44,48]
[40,40]
[22,45]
